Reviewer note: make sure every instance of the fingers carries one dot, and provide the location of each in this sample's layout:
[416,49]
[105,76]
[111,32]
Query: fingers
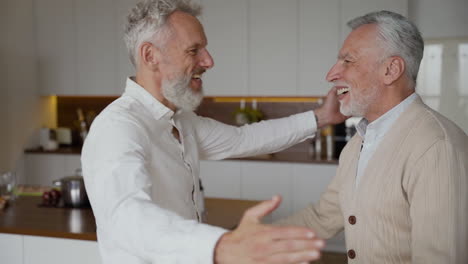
[291,246]
[288,232]
[256,213]
[294,257]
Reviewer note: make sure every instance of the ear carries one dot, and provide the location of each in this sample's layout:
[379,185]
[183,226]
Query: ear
[149,55]
[394,68]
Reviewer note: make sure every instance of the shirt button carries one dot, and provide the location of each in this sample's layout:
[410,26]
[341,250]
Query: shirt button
[351,254]
[352,219]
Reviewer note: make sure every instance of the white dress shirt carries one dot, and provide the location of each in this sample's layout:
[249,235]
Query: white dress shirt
[374,132]
[143,183]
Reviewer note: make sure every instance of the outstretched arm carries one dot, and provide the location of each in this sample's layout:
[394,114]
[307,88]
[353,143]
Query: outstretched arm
[253,242]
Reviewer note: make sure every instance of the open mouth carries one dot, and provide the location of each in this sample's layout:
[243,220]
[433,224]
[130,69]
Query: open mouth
[343,90]
[196,76]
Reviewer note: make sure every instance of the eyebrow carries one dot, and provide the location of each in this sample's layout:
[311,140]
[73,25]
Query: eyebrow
[346,55]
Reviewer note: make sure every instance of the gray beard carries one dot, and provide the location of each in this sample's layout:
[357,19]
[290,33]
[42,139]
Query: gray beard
[179,93]
[359,103]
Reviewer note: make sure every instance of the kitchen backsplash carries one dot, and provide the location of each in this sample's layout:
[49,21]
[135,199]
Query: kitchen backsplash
[223,109]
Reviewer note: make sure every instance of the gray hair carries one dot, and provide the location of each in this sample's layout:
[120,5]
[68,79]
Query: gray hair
[147,21]
[399,36]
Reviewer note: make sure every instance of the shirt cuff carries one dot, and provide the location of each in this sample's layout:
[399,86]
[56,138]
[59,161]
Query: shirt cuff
[306,122]
[204,239]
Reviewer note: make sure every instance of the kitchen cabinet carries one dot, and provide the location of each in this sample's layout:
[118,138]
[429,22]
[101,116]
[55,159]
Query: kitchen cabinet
[298,184]
[226,23]
[318,46]
[56,46]
[22,249]
[125,67]
[96,47]
[80,46]
[221,179]
[58,251]
[260,47]
[262,180]
[273,42]
[11,249]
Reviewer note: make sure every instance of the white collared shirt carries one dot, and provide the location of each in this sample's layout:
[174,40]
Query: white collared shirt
[143,183]
[374,132]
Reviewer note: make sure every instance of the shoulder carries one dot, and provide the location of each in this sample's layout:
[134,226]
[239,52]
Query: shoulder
[426,135]
[430,127]
[120,123]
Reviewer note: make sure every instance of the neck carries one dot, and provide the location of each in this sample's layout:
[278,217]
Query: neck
[391,96]
[152,83]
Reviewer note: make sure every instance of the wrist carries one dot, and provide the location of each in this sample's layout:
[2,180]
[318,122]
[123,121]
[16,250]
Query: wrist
[319,118]
[219,248]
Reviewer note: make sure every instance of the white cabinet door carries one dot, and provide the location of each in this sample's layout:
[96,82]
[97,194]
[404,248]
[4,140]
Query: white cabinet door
[125,67]
[225,23]
[56,46]
[354,8]
[97,66]
[262,180]
[273,47]
[309,182]
[318,44]
[11,249]
[221,179]
[45,250]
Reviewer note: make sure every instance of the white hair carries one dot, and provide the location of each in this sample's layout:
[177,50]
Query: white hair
[399,36]
[147,23]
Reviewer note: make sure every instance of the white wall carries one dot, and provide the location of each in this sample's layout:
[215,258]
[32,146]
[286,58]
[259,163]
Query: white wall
[440,19]
[20,102]
[3,87]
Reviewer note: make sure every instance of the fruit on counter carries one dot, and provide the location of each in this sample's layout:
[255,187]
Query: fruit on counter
[51,198]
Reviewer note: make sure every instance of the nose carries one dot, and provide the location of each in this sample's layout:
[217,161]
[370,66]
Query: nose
[334,73]
[206,61]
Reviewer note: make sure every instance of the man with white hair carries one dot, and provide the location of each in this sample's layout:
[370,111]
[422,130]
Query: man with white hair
[401,189]
[141,158]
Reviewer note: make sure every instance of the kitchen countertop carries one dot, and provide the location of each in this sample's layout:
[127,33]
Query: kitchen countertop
[282,156]
[24,216]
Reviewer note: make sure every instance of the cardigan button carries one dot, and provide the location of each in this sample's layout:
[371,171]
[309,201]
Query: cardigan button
[352,220]
[351,254]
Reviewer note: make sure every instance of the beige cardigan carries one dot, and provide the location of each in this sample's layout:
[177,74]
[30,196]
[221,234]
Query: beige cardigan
[411,205]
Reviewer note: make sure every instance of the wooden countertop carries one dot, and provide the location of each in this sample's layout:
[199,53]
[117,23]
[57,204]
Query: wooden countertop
[282,156]
[24,216]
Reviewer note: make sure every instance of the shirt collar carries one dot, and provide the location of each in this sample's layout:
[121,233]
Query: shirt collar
[157,109]
[380,126]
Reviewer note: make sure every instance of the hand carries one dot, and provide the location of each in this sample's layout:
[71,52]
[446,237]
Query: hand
[253,242]
[329,112]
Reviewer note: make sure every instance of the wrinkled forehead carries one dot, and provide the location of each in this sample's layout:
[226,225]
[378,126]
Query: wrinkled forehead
[362,40]
[186,28]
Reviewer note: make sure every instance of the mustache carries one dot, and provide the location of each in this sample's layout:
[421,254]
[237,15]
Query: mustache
[199,71]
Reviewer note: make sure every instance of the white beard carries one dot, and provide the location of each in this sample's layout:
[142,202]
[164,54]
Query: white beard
[358,104]
[179,93]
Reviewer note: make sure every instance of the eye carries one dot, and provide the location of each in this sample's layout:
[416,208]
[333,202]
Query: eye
[346,61]
[193,51]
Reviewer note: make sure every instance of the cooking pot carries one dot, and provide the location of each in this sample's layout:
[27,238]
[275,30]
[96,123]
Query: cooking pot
[73,191]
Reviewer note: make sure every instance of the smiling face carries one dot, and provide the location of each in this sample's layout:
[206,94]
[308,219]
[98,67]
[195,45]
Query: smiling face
[184,60]
[356,73]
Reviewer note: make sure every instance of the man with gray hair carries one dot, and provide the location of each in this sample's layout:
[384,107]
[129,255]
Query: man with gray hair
[401,189]
[141,157]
